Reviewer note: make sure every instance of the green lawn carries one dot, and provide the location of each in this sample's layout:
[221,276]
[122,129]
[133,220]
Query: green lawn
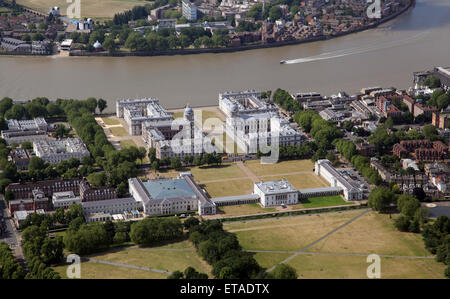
[127,143]
[110,121]
[290,233]
[324,201]
[315,266]
[373,233]
[223,171]
[118,131]
[161,259]
[98,9]
[279,168]
[91,270]
[246,209]
[229,188]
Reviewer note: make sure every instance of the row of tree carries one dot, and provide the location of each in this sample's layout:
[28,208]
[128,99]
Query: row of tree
[414,218]
[361,163]
[9,267]
[221,249]
[41,252]
[42,107]
[436,236]
[152,230]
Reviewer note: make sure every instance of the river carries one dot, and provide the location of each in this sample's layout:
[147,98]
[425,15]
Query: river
[386,56]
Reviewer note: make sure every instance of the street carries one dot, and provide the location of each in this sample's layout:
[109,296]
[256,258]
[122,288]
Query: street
[9,234]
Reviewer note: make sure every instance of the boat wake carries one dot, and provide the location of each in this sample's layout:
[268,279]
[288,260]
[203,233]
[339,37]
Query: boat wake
[358,50]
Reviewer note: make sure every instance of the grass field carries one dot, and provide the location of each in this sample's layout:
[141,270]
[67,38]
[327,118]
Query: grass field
[89,8]
[328,266]
[279,168]
[118,131]
[291,233]
[110,121]
[300,181]
[127,143]
[169,257]
[229,188]
[324,201]
[373,233]
[267,260]
[91,270]
[224,171]
[161,259]
[245,209]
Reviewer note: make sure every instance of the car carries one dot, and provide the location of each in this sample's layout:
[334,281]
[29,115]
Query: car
[283,206]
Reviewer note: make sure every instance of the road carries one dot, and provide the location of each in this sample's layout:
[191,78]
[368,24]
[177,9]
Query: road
[9,233]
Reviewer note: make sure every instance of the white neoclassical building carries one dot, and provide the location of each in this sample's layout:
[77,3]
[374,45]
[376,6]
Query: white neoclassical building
[276,193]
[253,123]
[55,151]
[351,190]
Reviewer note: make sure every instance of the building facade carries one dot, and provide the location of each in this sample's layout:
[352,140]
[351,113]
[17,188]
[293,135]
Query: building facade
[55,151]
[324,169]
[169,196]
[276,193]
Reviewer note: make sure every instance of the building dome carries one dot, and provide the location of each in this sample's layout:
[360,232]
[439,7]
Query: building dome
[188,112]
[234,107]
[97,45]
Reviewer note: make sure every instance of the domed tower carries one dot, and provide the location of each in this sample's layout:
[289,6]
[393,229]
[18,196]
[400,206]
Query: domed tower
[189,116]
[234,109]
[188,113]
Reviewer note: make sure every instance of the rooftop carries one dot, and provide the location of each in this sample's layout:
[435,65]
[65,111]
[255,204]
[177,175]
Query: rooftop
[169,188]
[271,187]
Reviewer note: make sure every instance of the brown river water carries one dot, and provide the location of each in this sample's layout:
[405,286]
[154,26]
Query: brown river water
[386,56]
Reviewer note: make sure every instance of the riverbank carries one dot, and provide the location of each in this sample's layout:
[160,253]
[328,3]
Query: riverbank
[244,47]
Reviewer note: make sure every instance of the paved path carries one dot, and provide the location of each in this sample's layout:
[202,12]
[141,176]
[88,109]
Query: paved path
[126,266]
[320,239]
[10,234]
[247,171]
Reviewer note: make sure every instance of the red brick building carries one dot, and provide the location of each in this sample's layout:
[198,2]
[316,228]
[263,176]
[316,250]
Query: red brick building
[424,150]
[387,108]
[88,193]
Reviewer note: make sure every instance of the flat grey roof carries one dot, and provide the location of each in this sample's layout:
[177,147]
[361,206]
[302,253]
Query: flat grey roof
[235,198]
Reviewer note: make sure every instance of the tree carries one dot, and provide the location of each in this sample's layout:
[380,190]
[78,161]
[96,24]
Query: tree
[102,104]
[136,42]
[283,271]
[109,44]
[175,163]
[191,222]
[122,189]
[432,82]
[407,204]
[176,275]
[429,131]
[275,13]
[91,104]
[191,273]
[36,164]
[155,165]
[443,101]
[402,223]
[380,198]
[152,154]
